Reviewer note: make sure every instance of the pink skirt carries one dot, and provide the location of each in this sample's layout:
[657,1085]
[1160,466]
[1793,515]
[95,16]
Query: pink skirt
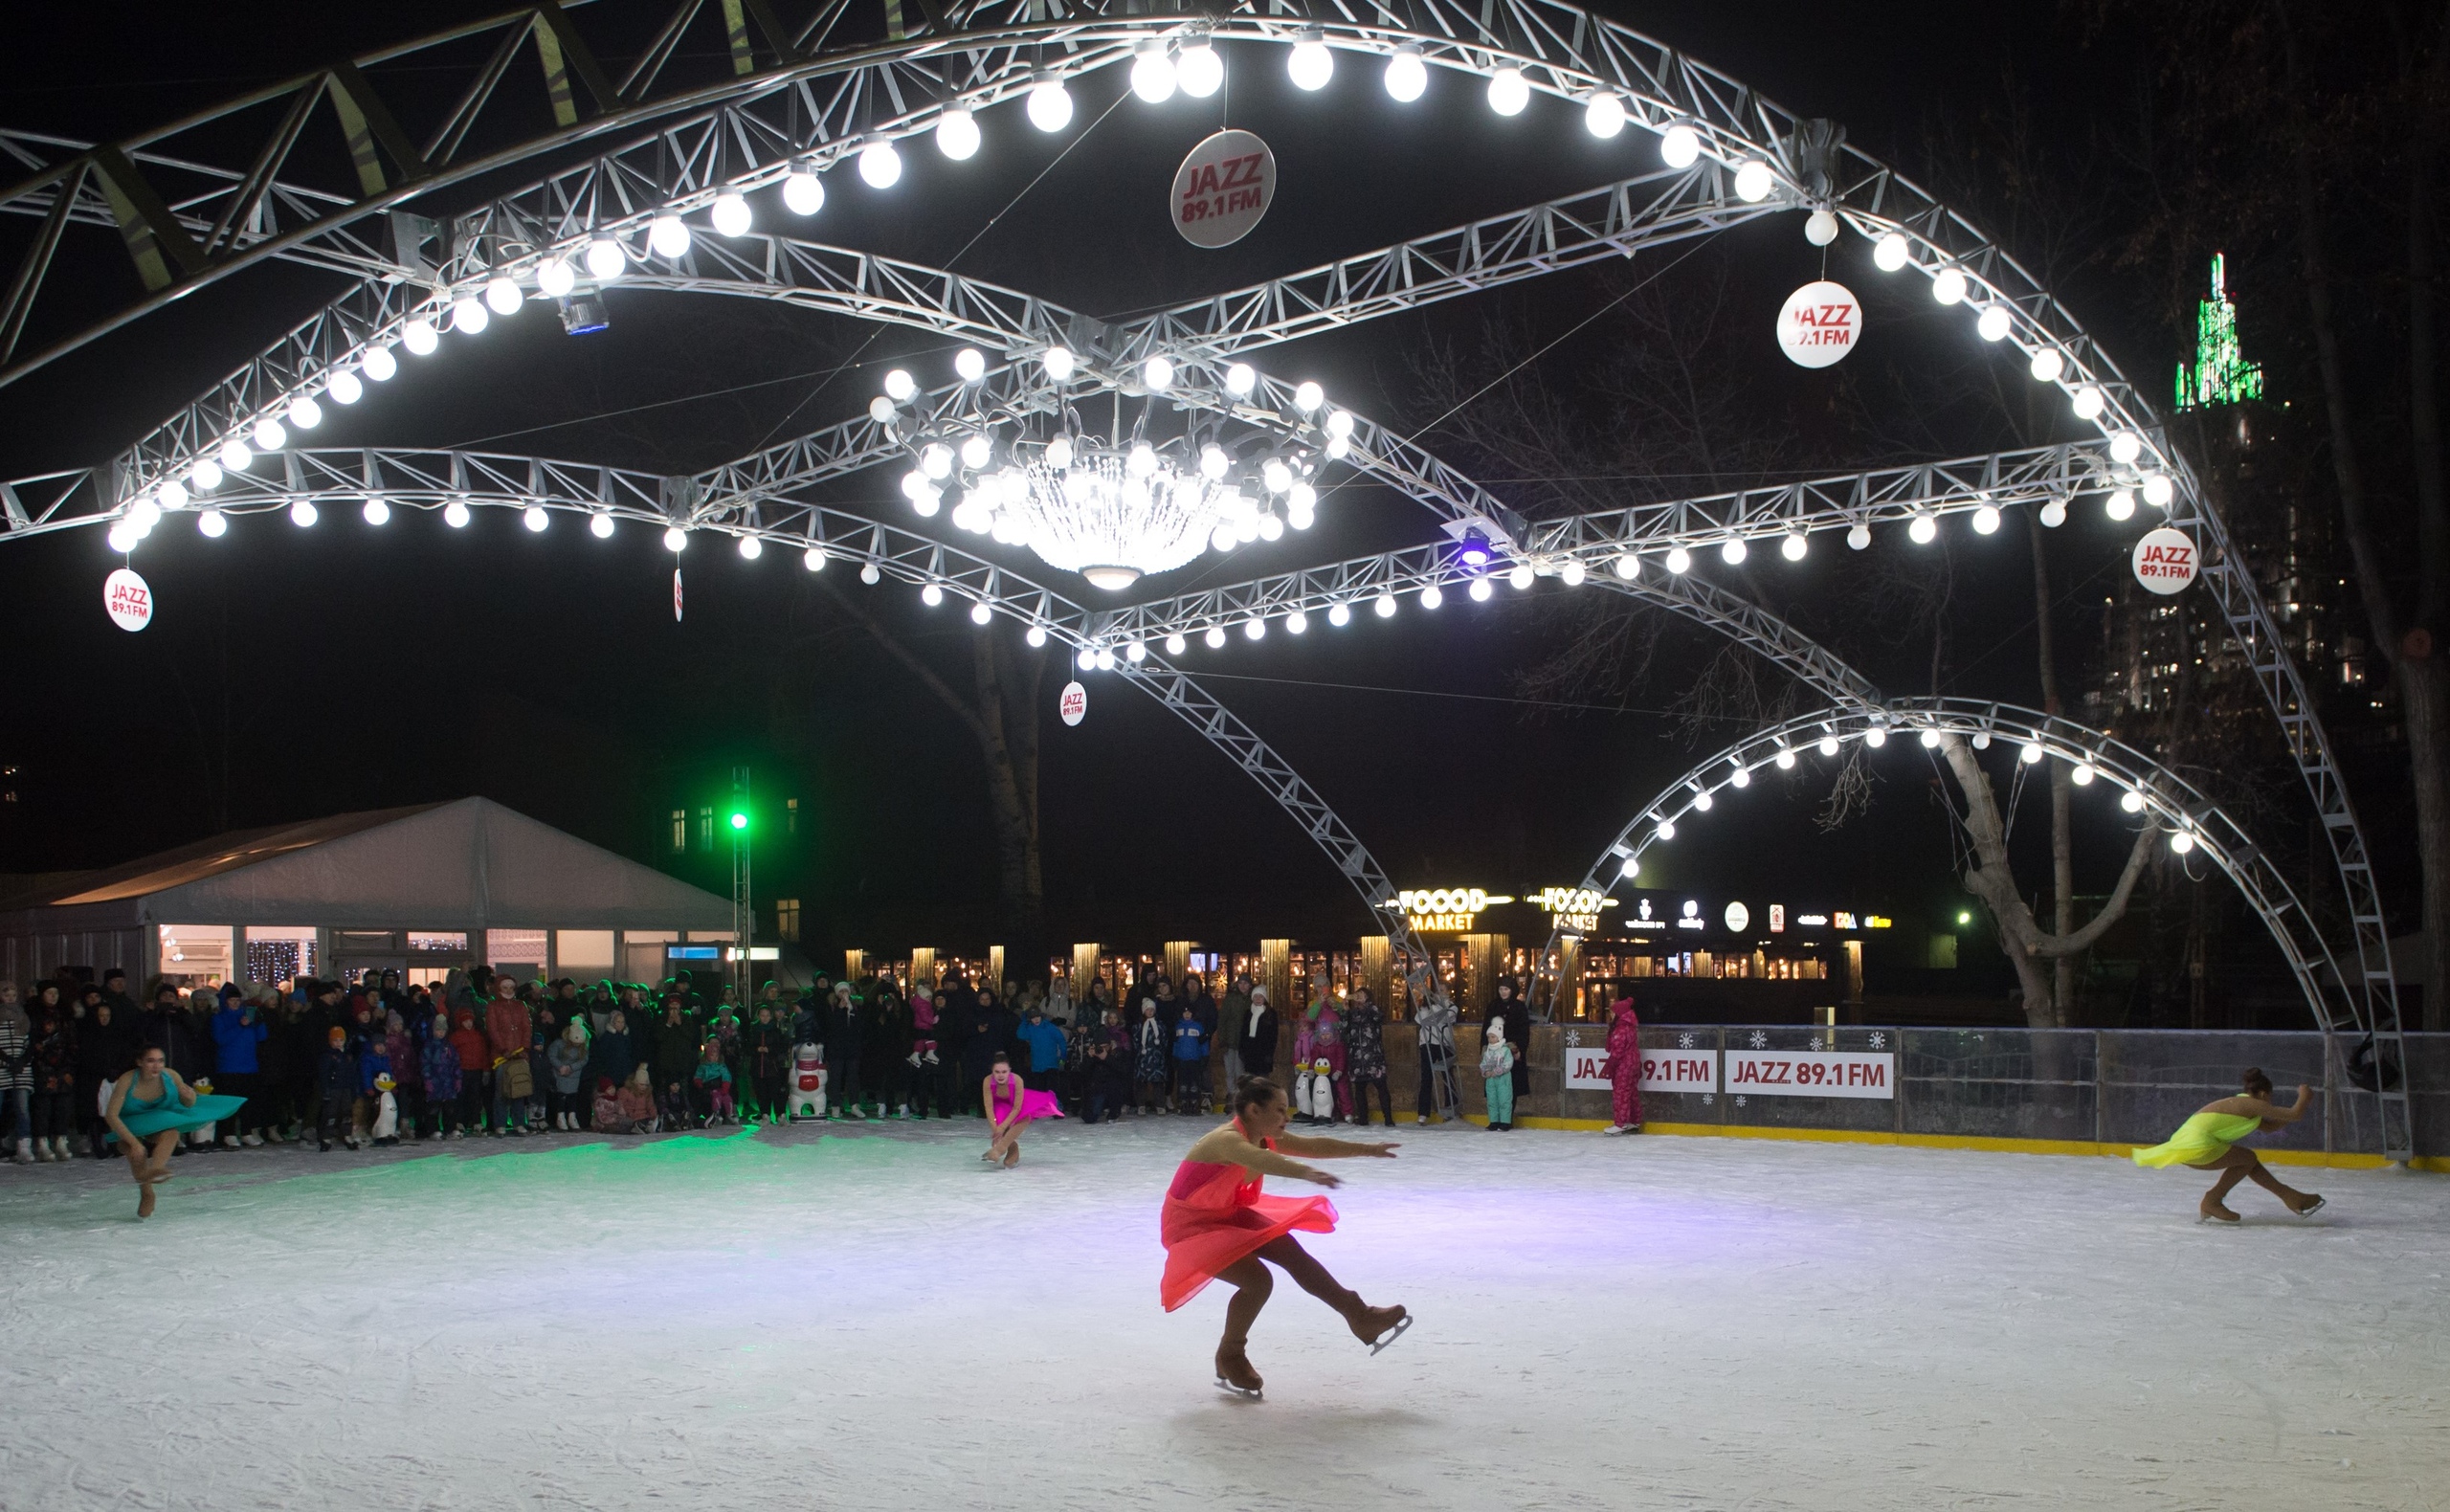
[1034,1104]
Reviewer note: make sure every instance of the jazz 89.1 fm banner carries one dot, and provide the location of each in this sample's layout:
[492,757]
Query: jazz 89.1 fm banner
[1587,1069]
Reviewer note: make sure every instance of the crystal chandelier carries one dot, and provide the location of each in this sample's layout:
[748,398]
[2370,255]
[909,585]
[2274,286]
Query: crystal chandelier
[1114,516]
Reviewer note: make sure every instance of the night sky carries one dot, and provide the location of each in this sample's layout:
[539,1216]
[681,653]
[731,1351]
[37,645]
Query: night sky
[292,673]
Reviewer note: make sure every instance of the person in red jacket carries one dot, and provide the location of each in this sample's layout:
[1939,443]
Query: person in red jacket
[1625,1067]
[508,1029]
[475,1055]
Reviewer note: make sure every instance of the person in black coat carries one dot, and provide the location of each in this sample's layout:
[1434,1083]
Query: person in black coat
[885,1067]
[846,1033]
[1518,1033]
[1259,1037]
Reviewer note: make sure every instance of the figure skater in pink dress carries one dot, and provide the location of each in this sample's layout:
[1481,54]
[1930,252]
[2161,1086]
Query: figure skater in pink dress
[1216,1226]
[1009,1106]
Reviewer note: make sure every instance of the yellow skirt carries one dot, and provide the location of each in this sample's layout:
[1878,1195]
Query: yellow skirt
[2204,1138]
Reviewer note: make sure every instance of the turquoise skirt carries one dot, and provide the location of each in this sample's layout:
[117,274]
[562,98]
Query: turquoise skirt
[210,1108]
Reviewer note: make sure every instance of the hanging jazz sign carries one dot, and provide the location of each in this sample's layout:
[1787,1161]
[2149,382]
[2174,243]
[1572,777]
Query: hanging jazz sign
[127,600]
[2165,560]
[1074,705]
[1819,324]
[1223,189]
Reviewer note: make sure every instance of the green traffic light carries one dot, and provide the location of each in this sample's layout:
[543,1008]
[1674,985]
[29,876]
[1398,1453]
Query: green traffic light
[739,820]
[1962,918]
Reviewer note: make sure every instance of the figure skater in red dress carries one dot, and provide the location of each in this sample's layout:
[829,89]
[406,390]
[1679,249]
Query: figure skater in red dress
[1218,1227]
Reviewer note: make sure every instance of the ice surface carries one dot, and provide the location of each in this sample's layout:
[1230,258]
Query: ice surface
[874,1320]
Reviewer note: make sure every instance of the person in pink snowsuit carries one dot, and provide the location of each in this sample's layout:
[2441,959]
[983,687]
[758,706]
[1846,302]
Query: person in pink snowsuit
[1625,1066]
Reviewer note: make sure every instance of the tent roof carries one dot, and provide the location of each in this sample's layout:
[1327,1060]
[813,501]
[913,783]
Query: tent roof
[466,864]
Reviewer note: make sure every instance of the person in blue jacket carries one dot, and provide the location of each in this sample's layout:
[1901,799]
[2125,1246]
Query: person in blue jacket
[1190,1063]
[238,1028]
[1045,1041]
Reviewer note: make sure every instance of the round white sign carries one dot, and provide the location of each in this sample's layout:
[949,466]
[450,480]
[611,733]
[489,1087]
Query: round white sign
[1738,917]
[2165,560]
[675,595]
[1074,705]
[1820,323]
[127,600]
[1223,189]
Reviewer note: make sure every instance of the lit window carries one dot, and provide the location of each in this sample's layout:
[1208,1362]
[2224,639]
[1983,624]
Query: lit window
[787,917]
[705,829]
[680,828]
[791,826]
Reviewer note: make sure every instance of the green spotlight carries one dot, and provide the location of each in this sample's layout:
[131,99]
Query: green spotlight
[739,820]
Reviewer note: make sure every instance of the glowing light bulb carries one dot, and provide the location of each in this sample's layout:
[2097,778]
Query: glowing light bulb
[304,513]
[676,540]
[2158,491]
[211,524]
[814,559]
[304,413]
[1829,745]
[2054,514]
[1049,104]
[502,295]
[1875,737]
[803,191]
[1820,228]
[1509,91]
[555,277]
[1310,64]
[469,316]
[976,451]
[899,386]
[2181,842]
[981,614]
[1986,520]
[600,526]
[2088,401]
[1307,396]
[1732,553]
[1858,538]
[2121,504]
[1572,573]
[380,365]
[1384,606]
[1603,114]
[1519,577]
[2131,801]
[376,512]
[206,474]
[879,164]
[2126,447]
[1947,287]
[957,133]
[970,365]
[1628,566]
[1679,561]
[2048,364]
[268,434]
[731,214]
[1407,75]
[1992,325]
[456,515]
[344,388]
[1199,69]
[2030,755]
[1158,373]
[1753,182]
[1338,616]
[668,236]
[536,517]
[1793,547]
[1240,378]
[1058,362]
[1216,638]
[1152,73]
[419,337]
[1667,829]
[1924,530]
[1482,590]
[1432,596]
[1679,146]
[606,259]
[1891,252]
[1176,645]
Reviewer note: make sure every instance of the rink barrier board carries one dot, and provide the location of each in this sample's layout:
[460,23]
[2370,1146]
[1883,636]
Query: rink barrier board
[2337,1160]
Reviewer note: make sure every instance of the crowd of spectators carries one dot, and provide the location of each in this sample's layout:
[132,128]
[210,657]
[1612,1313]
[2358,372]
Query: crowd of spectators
[481,1054]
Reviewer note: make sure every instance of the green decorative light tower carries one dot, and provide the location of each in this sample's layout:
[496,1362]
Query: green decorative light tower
[2221,373]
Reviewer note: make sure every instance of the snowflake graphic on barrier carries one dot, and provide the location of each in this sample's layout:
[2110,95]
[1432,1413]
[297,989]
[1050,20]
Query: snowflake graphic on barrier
[1683,1041]
[1739,1100]
[1815,1043]
[1760,1040]
[1709,1097]
[1880,1041]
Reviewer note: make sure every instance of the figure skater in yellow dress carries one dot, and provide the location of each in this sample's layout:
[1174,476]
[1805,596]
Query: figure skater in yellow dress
[2207,1142]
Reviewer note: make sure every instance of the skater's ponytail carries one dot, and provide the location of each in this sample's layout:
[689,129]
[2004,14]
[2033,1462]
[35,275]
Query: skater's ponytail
[1255,1092]
[2256,1083]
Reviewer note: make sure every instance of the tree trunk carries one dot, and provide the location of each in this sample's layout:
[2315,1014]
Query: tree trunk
[2024,941]
[1011,775]
[2062,845]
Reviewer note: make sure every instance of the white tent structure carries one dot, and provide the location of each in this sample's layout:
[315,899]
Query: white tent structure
[421,889]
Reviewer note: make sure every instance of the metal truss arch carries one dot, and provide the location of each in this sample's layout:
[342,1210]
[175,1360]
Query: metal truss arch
[437,480]
[2160,796]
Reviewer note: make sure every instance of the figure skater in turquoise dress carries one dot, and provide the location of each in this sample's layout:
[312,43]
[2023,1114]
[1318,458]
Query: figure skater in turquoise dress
[152,1104]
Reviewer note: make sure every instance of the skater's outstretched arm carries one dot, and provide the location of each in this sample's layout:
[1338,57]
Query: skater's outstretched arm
[2272,1115]
[1226,1147]
[1334,1148]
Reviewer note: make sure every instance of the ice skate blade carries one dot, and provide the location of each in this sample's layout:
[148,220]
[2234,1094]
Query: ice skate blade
[1391,1334]
[2216,1221]
[1244,1392]
[2312,1207]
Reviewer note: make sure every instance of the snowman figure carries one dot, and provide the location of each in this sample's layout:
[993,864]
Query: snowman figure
[805,1097]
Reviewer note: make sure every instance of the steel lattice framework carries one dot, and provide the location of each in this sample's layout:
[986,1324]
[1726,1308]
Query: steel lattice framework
[412,222]
[2164,798]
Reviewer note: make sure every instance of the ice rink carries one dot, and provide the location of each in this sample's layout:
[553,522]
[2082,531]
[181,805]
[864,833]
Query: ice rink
[874,1320]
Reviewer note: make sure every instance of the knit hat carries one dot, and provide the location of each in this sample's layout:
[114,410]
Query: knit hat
[338,1035]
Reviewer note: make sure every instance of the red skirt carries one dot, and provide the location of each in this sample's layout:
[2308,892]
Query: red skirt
[1213,1219]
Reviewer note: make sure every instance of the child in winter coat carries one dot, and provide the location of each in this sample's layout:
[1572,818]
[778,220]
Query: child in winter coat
[439,1060]
[636,1099]
[335,1090]
[677,1112]
[608,1108]
[714,1083]
[1496,1074]
[476,1068]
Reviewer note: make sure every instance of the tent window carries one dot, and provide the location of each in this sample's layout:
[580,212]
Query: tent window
[787,917]
[680,828]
